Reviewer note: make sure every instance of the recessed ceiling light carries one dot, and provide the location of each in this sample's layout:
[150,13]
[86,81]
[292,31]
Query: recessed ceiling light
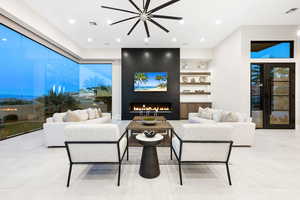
[72,21]
[298,32]
[202,39]
[181,21]
[4,39]
[118,40]
[174,39]
[90,40]
[106,43]
[146,40]
[218,21]
[108,22]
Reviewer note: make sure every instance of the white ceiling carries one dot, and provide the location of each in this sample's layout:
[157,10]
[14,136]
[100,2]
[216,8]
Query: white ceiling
[199,17]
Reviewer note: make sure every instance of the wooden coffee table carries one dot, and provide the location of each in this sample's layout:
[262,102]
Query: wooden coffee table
[136,127]
[140,127]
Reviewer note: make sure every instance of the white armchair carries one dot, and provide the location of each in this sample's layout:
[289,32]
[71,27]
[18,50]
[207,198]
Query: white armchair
[95,144]
[202,143]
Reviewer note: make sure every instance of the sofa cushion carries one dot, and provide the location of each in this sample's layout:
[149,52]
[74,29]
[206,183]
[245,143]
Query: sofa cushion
[71,116]
[99,112]
[58,117]
[201,120]
[92,113]
[230,117]
[217,115]
[83,115]
[98,120]
[205,113]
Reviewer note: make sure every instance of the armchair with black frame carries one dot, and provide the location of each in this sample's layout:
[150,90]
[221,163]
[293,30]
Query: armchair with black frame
[202,144]
[95,144]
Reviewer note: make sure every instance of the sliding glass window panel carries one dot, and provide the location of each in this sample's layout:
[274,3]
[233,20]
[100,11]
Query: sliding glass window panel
[96,86]
[272,49]
[35,82]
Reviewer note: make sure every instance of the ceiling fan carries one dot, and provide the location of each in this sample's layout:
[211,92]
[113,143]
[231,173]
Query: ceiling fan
[145,15]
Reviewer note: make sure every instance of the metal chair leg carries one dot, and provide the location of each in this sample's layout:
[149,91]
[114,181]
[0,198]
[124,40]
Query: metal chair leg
[171,153]
[180,174]
[127,153]
[69,175]
[119,174]
[228,174]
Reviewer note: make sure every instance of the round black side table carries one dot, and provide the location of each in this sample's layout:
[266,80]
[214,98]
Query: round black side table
[149,167]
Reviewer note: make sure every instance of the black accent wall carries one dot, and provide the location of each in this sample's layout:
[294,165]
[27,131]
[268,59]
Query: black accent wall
[151,60]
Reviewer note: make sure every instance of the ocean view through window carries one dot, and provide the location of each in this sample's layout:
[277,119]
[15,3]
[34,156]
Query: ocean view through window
[36,82]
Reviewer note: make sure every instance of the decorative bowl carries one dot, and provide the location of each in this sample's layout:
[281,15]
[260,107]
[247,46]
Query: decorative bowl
[149,123]
[149,134]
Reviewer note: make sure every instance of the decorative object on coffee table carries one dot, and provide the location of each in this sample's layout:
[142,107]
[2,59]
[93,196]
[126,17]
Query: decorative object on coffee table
[150,121]
[150,134]
[149,167]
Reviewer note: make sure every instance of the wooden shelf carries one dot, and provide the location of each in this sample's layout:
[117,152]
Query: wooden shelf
[195,73]
[202,83]
[193,93]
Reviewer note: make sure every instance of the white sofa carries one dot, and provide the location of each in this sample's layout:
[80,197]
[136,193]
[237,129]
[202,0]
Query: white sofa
[243,131]
[95,144]
[54,126]
[202,143]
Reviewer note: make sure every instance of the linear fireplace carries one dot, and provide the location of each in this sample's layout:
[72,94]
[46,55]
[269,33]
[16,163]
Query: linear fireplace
[150,107]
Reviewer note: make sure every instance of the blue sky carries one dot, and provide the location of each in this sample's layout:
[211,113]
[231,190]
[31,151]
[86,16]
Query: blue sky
[30,69]
[281,50]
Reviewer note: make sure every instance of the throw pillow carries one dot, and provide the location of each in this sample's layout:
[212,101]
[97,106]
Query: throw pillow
[58,117]
[230,117]
[100,112]
[91,113]
[217,115]
[206,113]
[71,116]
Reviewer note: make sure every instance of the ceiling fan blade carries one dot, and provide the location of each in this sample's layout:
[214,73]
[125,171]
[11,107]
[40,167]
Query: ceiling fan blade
[147,5]
[123,20]
[146,28]
[136,7]
[118,9]
[136,23]
[162,6]
[157,24]
[166,17]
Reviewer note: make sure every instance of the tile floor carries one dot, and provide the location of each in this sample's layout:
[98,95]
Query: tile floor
[269,170]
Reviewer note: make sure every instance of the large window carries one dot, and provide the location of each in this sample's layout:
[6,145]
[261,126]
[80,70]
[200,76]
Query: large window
[36,82]
[272,49]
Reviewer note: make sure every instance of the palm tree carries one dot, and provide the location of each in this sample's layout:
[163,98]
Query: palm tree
[140,78]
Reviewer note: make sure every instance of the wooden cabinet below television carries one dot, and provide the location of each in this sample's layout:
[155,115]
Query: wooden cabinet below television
[188,107]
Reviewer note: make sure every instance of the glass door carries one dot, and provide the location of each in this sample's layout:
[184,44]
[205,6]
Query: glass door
[281,108]
[273,95]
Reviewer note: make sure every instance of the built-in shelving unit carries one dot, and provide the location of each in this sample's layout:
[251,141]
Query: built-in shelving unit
[195,80]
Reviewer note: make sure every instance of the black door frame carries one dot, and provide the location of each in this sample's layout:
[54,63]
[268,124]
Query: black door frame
[267,93]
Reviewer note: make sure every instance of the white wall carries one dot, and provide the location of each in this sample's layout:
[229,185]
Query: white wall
[231,66]
[230,77]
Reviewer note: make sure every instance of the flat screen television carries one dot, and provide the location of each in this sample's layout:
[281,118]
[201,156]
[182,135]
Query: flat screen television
[150,82]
